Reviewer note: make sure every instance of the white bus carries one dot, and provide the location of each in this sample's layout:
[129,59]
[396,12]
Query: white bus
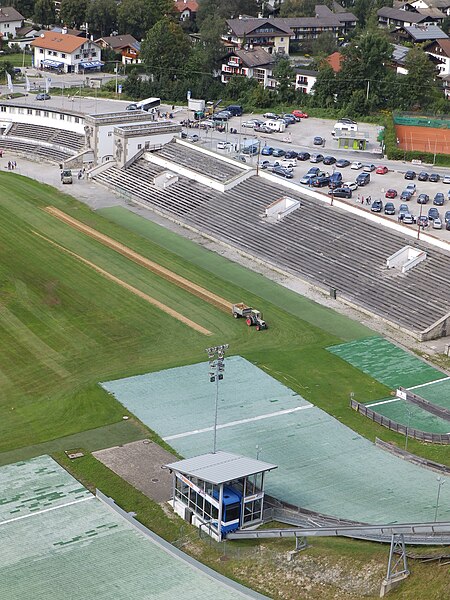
[146,104]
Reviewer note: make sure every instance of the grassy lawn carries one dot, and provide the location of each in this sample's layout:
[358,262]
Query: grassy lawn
[17,60]
[64,328]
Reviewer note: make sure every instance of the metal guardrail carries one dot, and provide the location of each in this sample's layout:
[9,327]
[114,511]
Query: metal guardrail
[438,411]
[412,458]
[422,436]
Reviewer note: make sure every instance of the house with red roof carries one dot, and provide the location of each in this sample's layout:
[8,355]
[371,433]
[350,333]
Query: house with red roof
[187,9]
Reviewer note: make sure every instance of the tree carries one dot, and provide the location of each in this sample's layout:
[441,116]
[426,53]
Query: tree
[298,8]
[44,12]
[101,15]
[324,45]
[284,75]
[210,32]
[73,12]
[137,17]
[420,80]
[325,87]
[166,49]
[25,7]
[221,9]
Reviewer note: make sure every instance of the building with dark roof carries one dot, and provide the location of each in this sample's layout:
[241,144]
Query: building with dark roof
[439,51]
[10,21]
[125,45]
[254,63]
[275,34]
[401,17]
[418,34]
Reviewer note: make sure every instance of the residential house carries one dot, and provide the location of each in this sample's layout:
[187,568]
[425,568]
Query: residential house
[253,63]
[187,9]
[10,21]
[418,34]
[442,5]
[439,51]
[269,34]
[446,85]
[406,17]
[305,80]
[66,53]
[275,34]
[335,61]
[399,54]
[24,37]
[125,45]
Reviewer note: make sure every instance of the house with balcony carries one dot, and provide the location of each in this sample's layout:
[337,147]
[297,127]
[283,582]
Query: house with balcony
[187,9]
[125,46]
[407,16]
[275,34]
[270,35]
[439,51]
[10,21]
[254,63]
[66,53]
[442,5]
[305,80]
[418,34]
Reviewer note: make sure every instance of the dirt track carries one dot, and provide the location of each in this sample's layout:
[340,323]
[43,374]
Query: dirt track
[130,288]
[178,280]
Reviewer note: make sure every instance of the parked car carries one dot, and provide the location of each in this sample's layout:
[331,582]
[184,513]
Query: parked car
[223,145]
[252,149]
[347,121]
[307,179]
[403,209]
[356,166]
[363,179]
[423,176]
[342,163]
[304,156]
[351,185]
[433,213]
[389,208]
[287,163]
[250,123]
[193,137]
[410,175]
[439,199]
[446,179]
[409,219]
[434,177]
[277,152]
[321,181]
[422,221]
[313,171]
[368,168]
[316,158]
[447,217]
[411,187]
[318,141]
[207,124]
[329,160]
[43,96]
[341,192]
[437,224]
[270,115]
[391,193]
[266,150]
[291,154]
[423,199]
[300,114]
[289,119]
[382,170]
[376,206]
[262,129]
[406,195]
[282,172]
[266,164]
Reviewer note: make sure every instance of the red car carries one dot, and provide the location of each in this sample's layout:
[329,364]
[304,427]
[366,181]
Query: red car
[382,170]
[391,193]
[299,114]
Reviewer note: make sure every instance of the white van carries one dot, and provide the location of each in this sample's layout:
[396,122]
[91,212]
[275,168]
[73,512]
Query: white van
[275,125]
[344,127]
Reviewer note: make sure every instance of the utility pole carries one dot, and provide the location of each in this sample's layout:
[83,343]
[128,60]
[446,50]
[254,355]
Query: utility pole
[368,89]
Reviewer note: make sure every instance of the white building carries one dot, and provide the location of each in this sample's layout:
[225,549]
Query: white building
[10,21]
[305,80]
[65,52]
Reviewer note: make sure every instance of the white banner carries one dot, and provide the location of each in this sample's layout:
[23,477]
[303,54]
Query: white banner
[48,81]
[27,83]
[10,83]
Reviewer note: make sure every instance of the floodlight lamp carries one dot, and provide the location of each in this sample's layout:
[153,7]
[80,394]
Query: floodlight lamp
[212,379]
[220,376]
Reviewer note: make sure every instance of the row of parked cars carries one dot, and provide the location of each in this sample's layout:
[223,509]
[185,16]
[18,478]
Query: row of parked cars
[424,176]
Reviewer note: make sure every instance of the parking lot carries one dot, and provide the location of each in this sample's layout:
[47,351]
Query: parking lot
[299,137]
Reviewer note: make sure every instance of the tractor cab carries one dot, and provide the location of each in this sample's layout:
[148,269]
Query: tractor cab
[255,318]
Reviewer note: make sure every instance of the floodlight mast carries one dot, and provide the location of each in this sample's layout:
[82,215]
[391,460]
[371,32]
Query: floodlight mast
[216,357]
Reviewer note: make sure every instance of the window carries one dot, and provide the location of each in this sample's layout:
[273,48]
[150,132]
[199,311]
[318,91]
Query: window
[109,133]
[139,146]
[29,111]
[3,108]
[94,53]
[61,116]
[69,118]
[38,113]
[20,111]
[46,113]
[63,55]
[77,119]
[77,56]
[41,51]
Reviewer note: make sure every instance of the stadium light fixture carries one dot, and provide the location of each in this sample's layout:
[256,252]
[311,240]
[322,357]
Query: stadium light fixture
[441,482]
[216,366]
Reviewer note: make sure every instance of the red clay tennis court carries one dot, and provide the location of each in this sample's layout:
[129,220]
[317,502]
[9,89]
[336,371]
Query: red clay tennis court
[423,139]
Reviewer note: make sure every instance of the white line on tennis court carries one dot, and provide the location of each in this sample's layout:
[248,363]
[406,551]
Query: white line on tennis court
[41,512]
[428,383]
[240,422]
[383,402]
